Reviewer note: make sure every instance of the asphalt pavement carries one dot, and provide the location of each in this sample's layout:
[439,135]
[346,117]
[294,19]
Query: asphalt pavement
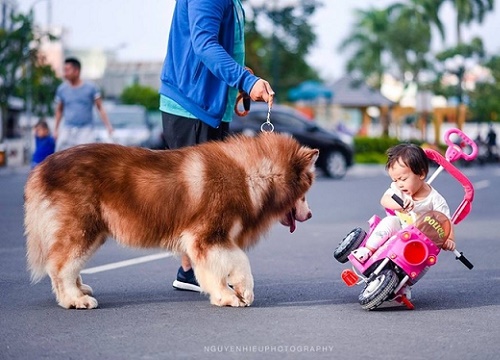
[302,309]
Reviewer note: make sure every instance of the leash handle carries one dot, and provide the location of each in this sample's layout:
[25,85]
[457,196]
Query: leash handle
[267,126]
[245,99]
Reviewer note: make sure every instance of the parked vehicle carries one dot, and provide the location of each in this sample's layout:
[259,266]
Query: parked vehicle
[155,140]
[130,124]
[407,256]
[336,155]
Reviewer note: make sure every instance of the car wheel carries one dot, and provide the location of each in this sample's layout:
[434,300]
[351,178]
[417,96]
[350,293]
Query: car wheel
[335,165]
[379,289]
[350,243]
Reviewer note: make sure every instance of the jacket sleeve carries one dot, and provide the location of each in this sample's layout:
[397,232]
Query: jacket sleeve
[206,17]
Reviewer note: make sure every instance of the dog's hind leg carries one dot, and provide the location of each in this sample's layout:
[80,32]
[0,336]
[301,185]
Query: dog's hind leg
[217,267]
[66,284]
[64,265]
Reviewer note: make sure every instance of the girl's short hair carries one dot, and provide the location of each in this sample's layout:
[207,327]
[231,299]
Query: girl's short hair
[411,155]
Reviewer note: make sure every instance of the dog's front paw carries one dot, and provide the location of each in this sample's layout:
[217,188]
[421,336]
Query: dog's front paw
[227,299]
[244,294]
[247,297]
[82,302]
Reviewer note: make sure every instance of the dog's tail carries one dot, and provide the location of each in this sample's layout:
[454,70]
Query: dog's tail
[36,258]
[38,234]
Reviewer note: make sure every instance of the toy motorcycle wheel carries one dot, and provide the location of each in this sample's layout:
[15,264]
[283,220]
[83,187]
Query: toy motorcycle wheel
[378,290]
[351,242]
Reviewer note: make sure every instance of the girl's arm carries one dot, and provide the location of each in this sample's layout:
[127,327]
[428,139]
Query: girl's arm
[449,244]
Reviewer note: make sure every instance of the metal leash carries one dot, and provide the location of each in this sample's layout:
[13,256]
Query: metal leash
[267,126]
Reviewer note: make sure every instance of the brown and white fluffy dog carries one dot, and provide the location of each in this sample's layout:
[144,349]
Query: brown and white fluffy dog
[210,201]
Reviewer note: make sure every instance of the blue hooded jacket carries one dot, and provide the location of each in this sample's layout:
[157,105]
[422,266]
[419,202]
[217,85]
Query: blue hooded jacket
[197,76]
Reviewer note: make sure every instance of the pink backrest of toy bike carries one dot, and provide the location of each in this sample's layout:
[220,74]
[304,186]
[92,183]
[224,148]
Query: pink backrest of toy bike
[465,206]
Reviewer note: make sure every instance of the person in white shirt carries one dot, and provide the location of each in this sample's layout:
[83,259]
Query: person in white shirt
[408,166]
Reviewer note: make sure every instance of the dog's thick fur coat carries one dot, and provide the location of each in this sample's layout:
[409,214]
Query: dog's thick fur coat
[210,201]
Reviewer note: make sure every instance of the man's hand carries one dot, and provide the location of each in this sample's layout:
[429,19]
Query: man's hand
[262,91]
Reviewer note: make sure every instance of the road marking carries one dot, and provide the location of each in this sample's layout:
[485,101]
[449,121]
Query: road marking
[481,184]
[125,263]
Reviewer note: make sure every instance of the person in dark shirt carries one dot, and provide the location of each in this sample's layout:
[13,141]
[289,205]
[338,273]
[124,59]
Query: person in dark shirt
[491,143]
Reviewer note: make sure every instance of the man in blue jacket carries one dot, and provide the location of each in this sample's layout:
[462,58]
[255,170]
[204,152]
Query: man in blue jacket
[202,74]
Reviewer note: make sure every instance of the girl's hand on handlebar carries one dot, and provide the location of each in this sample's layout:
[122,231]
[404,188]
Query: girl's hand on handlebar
[449,245]
[408,205]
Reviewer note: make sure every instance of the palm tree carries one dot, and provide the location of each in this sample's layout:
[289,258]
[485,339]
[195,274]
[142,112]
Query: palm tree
[409,37]
[281,55]
[424,11]
[394,40]
[369,43]
[397,37]
[469,11]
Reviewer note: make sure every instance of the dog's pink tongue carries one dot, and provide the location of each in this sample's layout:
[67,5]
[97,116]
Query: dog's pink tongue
[291,220]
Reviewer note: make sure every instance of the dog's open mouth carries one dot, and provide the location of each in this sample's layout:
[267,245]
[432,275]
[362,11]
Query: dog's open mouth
[290,220]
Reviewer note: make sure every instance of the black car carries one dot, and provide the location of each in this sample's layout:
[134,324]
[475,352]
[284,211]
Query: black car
[335,156]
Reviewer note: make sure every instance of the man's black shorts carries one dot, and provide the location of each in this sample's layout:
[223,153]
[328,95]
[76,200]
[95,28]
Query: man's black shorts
[179,131]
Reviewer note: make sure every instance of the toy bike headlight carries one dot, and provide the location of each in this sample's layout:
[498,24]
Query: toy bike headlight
[415,252]
[405,235]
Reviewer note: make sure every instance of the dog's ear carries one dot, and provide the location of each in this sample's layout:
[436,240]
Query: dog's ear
[314,154]
[309,156]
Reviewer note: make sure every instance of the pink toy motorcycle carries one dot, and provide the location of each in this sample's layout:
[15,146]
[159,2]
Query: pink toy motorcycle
[405,257]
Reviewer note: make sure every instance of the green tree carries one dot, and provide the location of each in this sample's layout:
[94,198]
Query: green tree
[21,64]
[469,11]
[280,55]
[484,103]
[142,95]
[368,44]
[42,84]
[394,39]
[409,38]
[466,52]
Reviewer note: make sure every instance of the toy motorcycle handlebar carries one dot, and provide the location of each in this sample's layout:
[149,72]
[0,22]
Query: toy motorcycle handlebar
[459,255]
[398,200]
[454,151]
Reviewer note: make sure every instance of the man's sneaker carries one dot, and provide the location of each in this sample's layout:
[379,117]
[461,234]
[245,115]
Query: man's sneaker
[186,281]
